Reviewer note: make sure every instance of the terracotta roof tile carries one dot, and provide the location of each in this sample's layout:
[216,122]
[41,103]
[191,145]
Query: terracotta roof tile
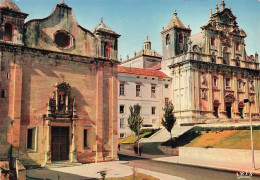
[157,67]
[146,72]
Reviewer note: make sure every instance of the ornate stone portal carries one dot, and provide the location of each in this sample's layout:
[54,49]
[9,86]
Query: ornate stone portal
[61,113]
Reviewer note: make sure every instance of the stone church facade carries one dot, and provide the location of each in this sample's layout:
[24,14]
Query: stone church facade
[211,71]
[58,85]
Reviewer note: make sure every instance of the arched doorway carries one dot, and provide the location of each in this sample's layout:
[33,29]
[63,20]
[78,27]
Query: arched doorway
[216,105]
[240,109]
[229,99]
[8,34]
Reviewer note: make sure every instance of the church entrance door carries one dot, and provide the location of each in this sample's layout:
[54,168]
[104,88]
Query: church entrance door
[60,143]
[228,109]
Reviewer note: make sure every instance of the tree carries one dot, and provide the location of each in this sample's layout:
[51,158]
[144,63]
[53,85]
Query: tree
[134,119]
[168,119]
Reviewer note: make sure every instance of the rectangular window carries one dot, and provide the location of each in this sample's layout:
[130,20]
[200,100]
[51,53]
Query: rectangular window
[3,93]
[138,88]
[122,109]
[212,41]
[122,135]
[153,91]
[239,84]
[31,139]
[153,110]
[122,123]
[227,83]
[166,86]
[85,138]
[122,89]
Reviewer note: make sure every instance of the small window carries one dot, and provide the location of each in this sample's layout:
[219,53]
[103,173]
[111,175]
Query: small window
[168,39]
[7,76]
[8,34]
[227,83]
[122,109]
[153,91]
[138,89]
[122,89]
[166,86]
[153,110]
[85,138]
[145,77]
[122,135]
[153,79]
[212,41]
[31,139]
[3,93]
[122,123]
[138,77]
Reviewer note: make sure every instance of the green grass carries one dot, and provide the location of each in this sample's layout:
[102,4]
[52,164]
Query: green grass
[130,139]
[233,139]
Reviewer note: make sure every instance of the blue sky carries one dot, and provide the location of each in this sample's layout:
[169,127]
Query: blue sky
[136,19]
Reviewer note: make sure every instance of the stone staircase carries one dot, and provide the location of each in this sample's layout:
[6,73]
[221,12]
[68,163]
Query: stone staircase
[163,135]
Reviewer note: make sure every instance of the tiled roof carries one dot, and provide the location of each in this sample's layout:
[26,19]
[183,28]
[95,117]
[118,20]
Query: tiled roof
[145,72]
[10,5]
[175,22]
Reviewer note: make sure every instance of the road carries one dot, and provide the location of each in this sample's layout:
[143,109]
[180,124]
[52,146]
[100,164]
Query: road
[187,172]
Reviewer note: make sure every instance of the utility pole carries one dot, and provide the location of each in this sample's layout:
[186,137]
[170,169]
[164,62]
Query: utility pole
[251,133]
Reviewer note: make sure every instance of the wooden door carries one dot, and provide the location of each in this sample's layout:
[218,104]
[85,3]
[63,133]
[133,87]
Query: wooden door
[60,143]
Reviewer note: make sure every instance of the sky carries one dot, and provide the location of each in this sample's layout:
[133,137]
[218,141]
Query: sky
[136,19]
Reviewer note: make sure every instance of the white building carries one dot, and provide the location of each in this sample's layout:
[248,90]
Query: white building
[148,88]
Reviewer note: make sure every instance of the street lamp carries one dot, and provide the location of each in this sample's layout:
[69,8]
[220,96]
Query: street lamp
[251,132]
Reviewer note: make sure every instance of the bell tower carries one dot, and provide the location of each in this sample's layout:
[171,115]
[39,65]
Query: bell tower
[174,38]
[12,22]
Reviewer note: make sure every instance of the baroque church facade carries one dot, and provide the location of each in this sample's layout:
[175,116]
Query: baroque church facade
[211,71]
[58,85]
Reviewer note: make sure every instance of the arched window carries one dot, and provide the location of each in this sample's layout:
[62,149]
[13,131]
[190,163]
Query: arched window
[225,56]
[168,38]
[180,38]
[8,34]
[212,41]
[237,46]
[107,50]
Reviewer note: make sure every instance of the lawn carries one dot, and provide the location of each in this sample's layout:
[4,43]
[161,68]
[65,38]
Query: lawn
[130,139]
[233,139]
[138,176]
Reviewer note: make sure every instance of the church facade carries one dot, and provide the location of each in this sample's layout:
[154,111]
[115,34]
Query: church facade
[211,71]
[58,86]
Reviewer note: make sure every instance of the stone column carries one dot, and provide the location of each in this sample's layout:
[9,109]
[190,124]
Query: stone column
[48,142]
[73,156]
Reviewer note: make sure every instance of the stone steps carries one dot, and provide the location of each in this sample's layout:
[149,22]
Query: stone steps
[163,135]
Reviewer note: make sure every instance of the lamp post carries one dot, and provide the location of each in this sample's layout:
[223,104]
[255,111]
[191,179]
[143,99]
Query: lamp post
[251,132]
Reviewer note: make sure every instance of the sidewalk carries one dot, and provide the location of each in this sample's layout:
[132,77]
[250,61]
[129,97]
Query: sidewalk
[91,171]
[199,162]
